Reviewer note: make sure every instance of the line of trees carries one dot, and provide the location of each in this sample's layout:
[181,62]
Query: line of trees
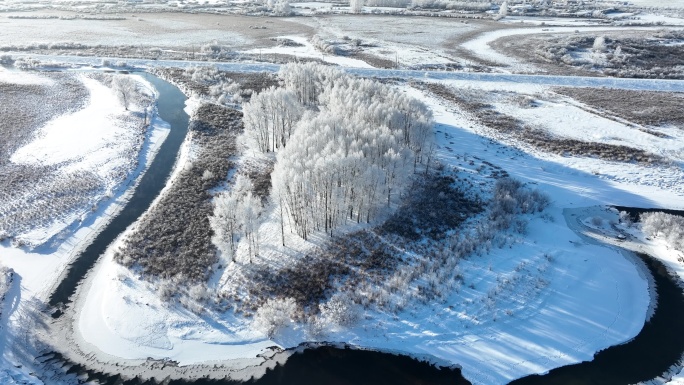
[345,146]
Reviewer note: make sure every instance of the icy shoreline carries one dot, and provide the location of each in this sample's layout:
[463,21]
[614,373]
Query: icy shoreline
[39,284]
[256,358]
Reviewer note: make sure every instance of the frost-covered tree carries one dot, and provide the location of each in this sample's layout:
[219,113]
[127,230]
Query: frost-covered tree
[225,92]
[503,9]
[236,214]
[270,117]
[125,89]
[356,6]
[667,225]
[617,54]
[350,157]
[206,74]
[225,223]
[340,310]
[599,44]
[274,315]
[282,7]
[250,209]
[345,146]
[308,80]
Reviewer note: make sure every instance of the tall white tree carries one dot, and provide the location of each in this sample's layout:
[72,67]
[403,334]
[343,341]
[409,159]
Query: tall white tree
[356,6]
[250,209]
[270,117]
[503,9]
[236,215]
[125,89]
[225,223]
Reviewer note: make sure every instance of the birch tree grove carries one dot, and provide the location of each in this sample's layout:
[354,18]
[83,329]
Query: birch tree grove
[345,147]
[351,154]
[270,117]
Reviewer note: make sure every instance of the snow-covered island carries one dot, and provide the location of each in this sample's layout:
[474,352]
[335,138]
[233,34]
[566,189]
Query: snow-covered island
[459,219]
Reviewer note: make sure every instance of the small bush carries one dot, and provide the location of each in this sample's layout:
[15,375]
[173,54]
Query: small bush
[626,219]
[340,310]
[667,225]
[274,315]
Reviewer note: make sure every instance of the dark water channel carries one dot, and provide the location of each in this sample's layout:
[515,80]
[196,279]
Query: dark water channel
[170,107]
[658,346]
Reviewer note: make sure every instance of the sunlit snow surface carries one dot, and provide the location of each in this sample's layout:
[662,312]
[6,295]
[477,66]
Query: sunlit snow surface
[84,140]
[595,298]
[90,135]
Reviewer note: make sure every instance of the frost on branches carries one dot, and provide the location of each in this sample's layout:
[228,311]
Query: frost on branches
[345,147]
[270,117]
[275,315]
[235,214]
[668,226]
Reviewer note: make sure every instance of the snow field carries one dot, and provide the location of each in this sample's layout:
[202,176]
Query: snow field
[307,50]
[80,138]
[498,330]
[93,150]
[479,45]
[566,118]
[19,77]
[594,181]
[38,270]
[510,316]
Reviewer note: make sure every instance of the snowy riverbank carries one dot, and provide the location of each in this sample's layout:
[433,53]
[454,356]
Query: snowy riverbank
[39,270]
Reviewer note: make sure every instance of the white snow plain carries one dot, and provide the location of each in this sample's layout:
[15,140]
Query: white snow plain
[479,45]
[307,50]
[101,140]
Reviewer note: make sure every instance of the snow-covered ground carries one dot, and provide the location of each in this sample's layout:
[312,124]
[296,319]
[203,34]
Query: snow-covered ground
[307,50]
[408,41]
[530,328]
[95,148]
[522,329]
[658,3]
[93,138]
[566,118]
[591,181]
[479,45]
